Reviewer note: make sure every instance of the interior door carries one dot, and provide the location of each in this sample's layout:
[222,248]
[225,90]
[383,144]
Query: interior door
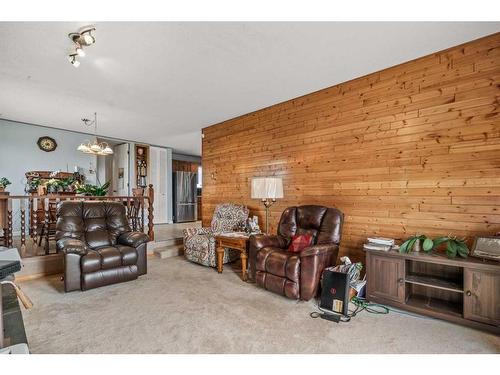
[385,277]
[121,180]
[158,161]
[482,296]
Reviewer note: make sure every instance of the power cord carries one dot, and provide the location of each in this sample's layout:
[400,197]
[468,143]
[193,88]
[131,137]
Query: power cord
[361,305]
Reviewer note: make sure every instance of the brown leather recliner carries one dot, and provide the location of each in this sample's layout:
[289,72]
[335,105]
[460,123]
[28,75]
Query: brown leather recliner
[98,246]
[296,275]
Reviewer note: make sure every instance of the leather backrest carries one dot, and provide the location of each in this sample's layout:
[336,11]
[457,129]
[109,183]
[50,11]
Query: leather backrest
[98,223]
[69,220]
[323,223]
[227,216]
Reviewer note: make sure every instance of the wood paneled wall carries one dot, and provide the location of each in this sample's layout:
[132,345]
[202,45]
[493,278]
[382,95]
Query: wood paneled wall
[413,148]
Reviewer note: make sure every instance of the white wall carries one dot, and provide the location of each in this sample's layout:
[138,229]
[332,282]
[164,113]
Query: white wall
[161,178]
[19,153]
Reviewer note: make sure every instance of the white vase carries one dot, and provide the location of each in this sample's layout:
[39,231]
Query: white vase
[416,246]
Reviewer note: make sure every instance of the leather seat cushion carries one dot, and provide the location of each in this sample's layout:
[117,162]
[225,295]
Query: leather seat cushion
[129,255]
[279,262]
[91,262]
[111,276]
[108,257]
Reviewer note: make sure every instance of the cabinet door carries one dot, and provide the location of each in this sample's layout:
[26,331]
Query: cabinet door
[482,296]
[385,278]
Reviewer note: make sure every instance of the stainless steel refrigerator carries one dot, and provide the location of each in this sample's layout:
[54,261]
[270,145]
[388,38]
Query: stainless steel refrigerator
[184,197]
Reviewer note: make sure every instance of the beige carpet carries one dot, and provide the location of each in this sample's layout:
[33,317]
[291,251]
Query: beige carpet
[180,307]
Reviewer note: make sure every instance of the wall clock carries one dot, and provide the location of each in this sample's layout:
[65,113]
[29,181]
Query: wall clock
[47,144]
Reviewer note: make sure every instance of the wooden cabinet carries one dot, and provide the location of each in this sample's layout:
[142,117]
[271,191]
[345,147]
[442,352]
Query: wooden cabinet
[482,296]
[386,278]
[463,291]
[142,165]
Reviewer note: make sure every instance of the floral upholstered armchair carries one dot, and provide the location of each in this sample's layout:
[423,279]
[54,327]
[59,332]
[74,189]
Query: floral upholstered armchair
[199,243]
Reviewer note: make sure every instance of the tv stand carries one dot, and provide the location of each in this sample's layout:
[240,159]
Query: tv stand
[463,291]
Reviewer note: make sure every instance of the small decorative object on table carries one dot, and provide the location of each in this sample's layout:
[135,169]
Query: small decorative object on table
[253,224]
[487,248]
[379,243]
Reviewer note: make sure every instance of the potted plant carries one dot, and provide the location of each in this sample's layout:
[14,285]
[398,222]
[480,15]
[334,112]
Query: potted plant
[93,190]
[33,184]
[4,182]
[52,186]
[67,184]
[412,243]
[454,245]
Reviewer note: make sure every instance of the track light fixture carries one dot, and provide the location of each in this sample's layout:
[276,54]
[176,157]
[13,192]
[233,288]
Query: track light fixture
[81,39]
[72,59]
[79,51]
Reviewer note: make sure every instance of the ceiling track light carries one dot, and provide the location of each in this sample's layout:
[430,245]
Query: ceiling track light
[81,39]
[79,51]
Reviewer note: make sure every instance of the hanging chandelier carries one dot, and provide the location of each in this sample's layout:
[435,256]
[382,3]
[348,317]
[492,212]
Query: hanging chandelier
[94,147]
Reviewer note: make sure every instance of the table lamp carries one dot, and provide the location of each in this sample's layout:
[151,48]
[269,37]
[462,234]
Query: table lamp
[267,189]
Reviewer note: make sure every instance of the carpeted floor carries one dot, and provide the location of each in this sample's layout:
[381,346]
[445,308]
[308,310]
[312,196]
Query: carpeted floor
[180,307]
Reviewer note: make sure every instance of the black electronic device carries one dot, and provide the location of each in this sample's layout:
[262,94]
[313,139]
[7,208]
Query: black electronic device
[335,292]
[8,267]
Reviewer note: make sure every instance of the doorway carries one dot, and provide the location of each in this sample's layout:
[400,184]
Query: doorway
[115,168]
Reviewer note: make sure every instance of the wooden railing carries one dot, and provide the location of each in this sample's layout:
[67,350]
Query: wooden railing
[37,216]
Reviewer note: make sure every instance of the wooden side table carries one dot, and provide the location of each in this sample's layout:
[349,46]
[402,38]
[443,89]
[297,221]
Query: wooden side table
[236,242]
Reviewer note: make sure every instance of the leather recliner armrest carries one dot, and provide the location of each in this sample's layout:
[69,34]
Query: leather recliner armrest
[318,250]
[134,239]
[313,260]
[69,245]
[259,241]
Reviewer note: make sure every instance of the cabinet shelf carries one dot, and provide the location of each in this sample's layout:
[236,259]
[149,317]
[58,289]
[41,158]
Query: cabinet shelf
[434,282]
[435,304]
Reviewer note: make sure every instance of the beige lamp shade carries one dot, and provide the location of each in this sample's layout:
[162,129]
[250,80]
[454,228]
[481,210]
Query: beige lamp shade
[267,187]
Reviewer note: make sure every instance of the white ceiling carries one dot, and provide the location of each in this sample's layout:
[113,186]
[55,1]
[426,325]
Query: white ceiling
[161,83]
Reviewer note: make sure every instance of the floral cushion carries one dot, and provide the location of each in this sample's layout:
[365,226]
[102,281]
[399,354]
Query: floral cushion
[227,216]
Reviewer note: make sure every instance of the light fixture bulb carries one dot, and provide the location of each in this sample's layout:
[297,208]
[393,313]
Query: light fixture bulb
[95,147]
[88,39]
[72,59]
[80,52]
[107,150]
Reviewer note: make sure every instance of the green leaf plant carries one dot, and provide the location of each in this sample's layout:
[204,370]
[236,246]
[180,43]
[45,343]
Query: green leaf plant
[93,190]
[454,245]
